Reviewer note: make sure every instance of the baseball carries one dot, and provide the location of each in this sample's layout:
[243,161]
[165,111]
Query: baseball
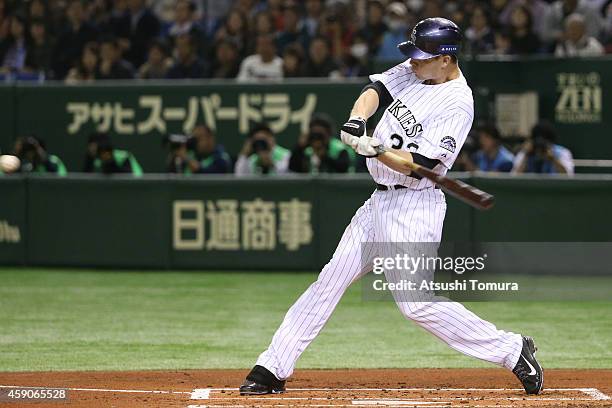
[9,164]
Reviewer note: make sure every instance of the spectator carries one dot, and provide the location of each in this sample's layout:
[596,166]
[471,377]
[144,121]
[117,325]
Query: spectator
[318,151]
[479,36]
[320,62]
[213,15]
[576,42]
[247,7]
[87,68]
[187,64]
[37,10]
[502,43]
[14,48]
[522,38]
[184,20]
[375,28]
[178,159]
[113,161]
[275,8]
[208,157]
[540,154]
[227,63]
[184,23]
[397,16]
[158,63]
[261,155]
[35,158]
[116,22]
[492,155]
[355,60]
[560,9]
[293,62]
[5,26]
[337,28]
[91,154]
[165,10]
[69,46]
[235,29]
[314,11]
[39,54]
[499,9]
[606,11]
[263,65]
[433,8]
[538,9]
[111,65]
[465,160]
[140,27]
[264,25]
[293,32]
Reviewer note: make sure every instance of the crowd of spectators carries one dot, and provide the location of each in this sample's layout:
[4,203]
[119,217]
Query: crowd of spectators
[84,40]
[315,151]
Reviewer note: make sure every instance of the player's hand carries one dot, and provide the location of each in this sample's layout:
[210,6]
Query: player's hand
[367,146]
[352,130]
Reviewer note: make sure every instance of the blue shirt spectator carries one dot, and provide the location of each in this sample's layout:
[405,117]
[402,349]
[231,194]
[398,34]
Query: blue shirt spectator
[492,155]
[398,33]
[502,161]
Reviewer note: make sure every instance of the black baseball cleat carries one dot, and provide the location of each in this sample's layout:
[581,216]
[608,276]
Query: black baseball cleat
[261,381]
[528,370]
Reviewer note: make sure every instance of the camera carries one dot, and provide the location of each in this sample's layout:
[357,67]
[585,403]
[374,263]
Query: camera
[540,144]
[316,137]
[260,145]
[175,142]
[29,144]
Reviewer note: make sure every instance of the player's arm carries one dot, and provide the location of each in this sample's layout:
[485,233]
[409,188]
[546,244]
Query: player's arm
[396,160]
[373,96]
[401,161]
[366,105]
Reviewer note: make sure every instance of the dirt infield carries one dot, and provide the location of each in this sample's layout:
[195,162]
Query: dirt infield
[317,388]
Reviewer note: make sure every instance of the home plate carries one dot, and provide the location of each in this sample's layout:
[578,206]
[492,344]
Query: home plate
[397,402]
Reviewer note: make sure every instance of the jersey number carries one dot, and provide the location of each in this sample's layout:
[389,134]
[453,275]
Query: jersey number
[399,142]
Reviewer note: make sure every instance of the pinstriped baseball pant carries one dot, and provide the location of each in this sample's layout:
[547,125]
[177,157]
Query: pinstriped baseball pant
[403,215]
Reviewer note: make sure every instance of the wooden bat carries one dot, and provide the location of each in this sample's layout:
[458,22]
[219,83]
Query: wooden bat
[457,188]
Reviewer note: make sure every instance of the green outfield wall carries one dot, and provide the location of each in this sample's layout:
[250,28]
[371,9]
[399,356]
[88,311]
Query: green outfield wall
[242,223]
[138,114]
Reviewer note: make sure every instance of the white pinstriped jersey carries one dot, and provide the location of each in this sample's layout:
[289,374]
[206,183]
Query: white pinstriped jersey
[432,120]
[437,119]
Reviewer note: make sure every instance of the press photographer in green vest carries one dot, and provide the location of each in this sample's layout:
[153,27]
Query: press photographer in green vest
[199,153]
[261,155]
[115,161]
[318,151]
[35,158]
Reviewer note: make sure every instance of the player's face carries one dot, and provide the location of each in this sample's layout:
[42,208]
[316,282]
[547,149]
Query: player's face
[425,69]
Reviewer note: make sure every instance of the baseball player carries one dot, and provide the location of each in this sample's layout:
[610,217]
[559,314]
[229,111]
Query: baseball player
[428,112]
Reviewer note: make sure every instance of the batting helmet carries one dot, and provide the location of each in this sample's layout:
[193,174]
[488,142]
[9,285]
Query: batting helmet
[432,37]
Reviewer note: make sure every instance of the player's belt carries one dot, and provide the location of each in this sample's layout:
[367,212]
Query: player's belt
[382,187]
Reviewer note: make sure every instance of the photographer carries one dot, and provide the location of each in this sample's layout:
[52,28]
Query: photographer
[261,155]
[92,150]
[492,155]
[112,161]
[317,151]
[197,154]
[35,159]
[541,155]
[178,160]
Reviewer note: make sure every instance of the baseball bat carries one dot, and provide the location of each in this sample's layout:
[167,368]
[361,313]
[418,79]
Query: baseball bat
[469,194]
